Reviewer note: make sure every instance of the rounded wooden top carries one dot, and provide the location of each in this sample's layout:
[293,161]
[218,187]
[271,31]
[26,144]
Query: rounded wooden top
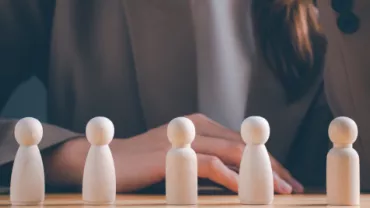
[99,131]
[28,131]
[343,130]
[181,132]
[255,130]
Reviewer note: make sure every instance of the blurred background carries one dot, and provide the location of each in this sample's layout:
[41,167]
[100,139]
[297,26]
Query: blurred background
[29,99]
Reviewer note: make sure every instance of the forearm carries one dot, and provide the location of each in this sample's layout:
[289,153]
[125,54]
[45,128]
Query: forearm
[64,163]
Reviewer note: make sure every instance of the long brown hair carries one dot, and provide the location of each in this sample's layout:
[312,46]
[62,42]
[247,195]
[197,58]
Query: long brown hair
[291,41]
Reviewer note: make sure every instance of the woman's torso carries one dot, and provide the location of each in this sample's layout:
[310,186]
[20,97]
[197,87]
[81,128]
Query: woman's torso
[143,63]
[133,62]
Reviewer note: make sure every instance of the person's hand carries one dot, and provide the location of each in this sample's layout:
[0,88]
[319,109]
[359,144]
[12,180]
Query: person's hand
[140,160]
[284,182]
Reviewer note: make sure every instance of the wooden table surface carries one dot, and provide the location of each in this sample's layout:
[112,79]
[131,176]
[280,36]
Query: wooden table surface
[211,201]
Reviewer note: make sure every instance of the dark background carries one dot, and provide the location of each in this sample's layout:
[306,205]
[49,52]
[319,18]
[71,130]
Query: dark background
[29,99]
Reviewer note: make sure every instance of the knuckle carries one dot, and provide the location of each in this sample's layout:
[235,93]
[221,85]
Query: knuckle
[239,149]
[233,148]
[275,175]
[276,178]
[213,162]
[286,173]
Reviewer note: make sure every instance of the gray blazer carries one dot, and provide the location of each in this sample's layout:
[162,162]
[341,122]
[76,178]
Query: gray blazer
[142,63]
[347,75]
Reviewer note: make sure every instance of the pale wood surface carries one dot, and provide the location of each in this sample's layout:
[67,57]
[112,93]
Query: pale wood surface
[137,201]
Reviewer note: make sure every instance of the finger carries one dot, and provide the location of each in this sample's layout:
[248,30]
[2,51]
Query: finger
[286,176]
[212,168]
[234,168]
[229,152]
[210,128]
[281,186]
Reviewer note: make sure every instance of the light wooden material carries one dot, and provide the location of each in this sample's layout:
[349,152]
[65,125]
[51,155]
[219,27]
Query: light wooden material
[215,201]
[27,184]
[343,165]
[256,185]
[181,164]
[99,177]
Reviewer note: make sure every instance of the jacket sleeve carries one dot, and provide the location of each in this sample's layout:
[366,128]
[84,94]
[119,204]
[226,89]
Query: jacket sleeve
[25,27]
[52,135]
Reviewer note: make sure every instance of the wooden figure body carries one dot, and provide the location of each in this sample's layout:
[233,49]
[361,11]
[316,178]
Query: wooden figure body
[181,164]
[99,177]
[343,164]
[27,186]
[256,185]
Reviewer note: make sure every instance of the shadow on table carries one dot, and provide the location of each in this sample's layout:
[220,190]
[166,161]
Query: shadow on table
[4,190]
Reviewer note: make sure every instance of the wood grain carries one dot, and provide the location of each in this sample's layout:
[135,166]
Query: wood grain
[147,201]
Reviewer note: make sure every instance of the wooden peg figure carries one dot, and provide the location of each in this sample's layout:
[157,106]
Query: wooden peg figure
[181,164]
[343,164]
[27,185]
[99,177]
[256,185]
